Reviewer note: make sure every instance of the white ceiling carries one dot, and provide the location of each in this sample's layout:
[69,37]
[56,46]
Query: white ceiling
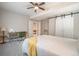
[18,7]
[21,7]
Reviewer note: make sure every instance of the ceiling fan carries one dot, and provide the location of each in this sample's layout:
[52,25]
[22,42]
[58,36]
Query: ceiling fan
[37,6]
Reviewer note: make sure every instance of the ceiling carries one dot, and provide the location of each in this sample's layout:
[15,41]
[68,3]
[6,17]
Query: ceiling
[21,7]
[17,7]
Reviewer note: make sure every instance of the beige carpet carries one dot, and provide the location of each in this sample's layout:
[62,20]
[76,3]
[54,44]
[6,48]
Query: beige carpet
[13,48]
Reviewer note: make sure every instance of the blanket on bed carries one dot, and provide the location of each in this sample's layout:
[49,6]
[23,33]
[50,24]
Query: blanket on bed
[32,46]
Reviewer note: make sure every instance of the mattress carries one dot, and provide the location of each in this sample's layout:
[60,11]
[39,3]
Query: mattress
[53,46]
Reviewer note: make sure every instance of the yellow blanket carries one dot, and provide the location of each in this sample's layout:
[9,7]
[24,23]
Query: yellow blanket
[32,46]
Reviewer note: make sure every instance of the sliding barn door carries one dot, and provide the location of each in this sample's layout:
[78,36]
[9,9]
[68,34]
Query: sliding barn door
[68,26]
[64,27]
[59,27]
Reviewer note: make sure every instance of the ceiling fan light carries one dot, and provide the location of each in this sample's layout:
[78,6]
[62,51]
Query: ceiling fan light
[35,7]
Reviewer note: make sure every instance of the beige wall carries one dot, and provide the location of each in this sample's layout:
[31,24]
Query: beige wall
[14,21]
[0,19]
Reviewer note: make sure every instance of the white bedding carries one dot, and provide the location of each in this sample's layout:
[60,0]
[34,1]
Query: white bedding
[51,45]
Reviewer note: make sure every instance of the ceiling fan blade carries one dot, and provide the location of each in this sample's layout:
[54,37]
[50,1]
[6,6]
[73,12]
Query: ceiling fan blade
[36,4]
[42,3]
[32,3]
[41,8]
[30,7]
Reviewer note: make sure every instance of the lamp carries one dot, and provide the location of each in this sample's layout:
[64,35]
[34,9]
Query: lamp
[11,30]
[3,31]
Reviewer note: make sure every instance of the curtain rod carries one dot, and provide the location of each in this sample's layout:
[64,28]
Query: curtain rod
[63,15]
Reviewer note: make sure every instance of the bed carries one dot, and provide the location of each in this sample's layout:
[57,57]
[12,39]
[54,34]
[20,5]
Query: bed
[53,46]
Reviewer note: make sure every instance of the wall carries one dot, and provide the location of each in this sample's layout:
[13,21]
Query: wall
[30,28]
[0,18]
[14,21]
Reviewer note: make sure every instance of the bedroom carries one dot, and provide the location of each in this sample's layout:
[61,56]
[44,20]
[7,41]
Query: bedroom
[54,23]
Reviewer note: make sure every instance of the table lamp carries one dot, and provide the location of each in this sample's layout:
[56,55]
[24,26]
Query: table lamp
[3,32]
